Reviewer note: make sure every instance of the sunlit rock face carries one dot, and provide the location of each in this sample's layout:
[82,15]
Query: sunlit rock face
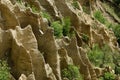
[33,52]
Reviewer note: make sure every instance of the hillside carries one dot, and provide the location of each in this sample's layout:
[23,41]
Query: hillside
[59,39]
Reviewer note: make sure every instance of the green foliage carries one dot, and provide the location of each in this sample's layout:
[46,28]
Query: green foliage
[71,72]
[34,9]
[114,27]
[101,78]
[62,28]
[46,15]
[58,28]
[66,26]
[108,55]
[100,56]
[96,55]
[109,76]
[72,34]
[116,30]
[98,15]
[4,70]
[85,38]
[75,4]
[116,60]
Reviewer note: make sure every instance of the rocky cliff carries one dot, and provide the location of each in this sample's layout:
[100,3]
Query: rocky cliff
[32,50]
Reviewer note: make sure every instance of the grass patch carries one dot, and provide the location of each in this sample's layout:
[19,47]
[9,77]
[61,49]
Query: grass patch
[98,15]
[62,28]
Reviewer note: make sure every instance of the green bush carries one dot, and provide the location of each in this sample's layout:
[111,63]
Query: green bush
[58,28]
[61,28]
[109,76]
[71,72]
[98,15]
[96,55]
[46,15]
[108,56]
[4,70]
[101,56]
[66,26]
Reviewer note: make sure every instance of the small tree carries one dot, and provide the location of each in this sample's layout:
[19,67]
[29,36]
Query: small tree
[58,29]
[100,56]
[66,26]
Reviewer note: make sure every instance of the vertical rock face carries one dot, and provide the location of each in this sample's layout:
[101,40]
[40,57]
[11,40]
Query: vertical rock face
[33,52]
[67,11]
[8,19]
[31,77]
[73,52]
[32,3]
[25,55]
[88,63]
[47,45]
[22,77]
[5,42]
[50,7]
[65,60]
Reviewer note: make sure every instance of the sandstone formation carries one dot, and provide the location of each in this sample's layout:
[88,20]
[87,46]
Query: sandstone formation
[33,52]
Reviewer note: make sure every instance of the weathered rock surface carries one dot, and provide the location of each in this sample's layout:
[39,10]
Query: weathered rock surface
[32,50]
[47,46]
[25,54]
